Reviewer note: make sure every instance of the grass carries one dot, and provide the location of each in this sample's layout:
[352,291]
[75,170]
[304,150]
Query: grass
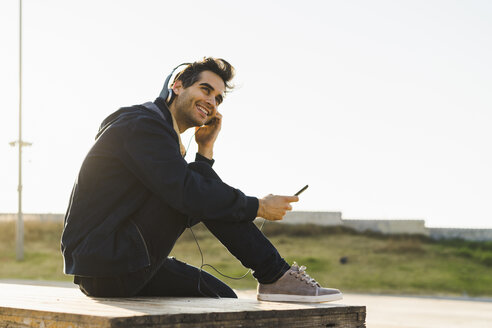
[42,256]
[398,264]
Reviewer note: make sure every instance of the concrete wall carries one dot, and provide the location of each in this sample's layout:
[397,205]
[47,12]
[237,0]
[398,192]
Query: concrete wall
[467,234]
[319,218]
[416,226]
[33,217]
[388,226]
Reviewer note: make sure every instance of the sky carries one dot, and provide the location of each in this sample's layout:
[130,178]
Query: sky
[383,107]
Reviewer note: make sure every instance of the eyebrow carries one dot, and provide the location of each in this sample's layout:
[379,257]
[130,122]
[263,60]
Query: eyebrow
[205,84]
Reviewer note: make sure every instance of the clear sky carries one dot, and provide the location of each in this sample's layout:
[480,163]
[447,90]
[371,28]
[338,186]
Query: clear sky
[383,107]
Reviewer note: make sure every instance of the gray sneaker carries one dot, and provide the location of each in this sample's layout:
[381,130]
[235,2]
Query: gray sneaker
[297,286]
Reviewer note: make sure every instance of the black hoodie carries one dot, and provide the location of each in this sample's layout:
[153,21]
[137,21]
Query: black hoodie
[136,156]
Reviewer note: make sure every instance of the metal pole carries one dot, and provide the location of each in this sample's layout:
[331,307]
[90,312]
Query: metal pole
[20,223]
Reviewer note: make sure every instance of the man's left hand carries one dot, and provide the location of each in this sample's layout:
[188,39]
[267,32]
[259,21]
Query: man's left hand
[206,135]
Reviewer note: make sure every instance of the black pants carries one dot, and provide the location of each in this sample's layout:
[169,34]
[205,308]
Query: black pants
[170,277]
[173,278]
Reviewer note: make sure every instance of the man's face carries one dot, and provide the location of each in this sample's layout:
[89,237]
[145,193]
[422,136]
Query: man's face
[197,104]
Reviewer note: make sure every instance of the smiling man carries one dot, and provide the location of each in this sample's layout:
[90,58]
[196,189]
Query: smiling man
[135,195]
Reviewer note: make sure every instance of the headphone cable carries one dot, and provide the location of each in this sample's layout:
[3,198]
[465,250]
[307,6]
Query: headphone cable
[202,265]
[211,266]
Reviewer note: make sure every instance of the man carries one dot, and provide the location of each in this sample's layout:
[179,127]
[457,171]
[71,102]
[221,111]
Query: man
[135,195]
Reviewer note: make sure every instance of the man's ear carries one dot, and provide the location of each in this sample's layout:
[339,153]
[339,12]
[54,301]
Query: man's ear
[177,87]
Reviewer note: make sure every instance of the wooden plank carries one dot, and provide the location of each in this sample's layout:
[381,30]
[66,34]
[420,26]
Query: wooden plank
[61,307]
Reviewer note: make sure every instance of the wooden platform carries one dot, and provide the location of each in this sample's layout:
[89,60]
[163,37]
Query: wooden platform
[62,307]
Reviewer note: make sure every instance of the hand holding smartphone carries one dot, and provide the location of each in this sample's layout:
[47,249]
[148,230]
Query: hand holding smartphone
[213,119]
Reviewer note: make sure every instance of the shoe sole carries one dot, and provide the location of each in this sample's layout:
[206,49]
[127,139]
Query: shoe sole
[299,298]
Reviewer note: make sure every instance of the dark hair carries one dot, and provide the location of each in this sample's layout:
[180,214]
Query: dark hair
[219,66]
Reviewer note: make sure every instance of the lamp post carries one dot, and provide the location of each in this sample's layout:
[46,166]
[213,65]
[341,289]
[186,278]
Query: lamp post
[19,231]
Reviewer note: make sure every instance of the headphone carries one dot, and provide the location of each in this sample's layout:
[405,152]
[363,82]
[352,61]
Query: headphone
[167,93]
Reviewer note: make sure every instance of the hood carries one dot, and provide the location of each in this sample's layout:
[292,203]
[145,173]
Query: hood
[112,118]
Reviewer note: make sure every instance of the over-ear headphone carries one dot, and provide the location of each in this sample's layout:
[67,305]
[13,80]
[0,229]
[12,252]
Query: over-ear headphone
[167,93]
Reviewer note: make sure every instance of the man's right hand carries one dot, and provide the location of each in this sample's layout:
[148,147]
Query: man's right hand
[274,207]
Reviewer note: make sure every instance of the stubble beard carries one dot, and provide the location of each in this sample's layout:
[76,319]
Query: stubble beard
[186,109]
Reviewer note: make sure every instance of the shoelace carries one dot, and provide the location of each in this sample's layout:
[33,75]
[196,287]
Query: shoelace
[301,273]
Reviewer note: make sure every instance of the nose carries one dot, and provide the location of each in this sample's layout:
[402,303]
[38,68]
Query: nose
[212,102]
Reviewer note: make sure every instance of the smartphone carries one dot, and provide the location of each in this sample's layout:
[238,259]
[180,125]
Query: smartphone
[211,121]
[301,191]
